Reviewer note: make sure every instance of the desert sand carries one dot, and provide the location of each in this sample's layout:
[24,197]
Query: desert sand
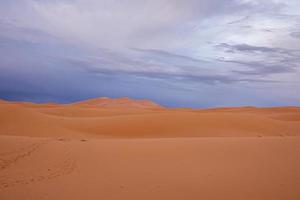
[136,149]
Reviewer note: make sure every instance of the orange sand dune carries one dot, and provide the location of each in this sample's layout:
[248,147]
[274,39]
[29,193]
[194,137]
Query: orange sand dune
[124,149]
[130,118]
[118,103]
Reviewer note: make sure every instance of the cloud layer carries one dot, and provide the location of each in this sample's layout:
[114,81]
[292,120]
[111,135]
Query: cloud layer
[178,52]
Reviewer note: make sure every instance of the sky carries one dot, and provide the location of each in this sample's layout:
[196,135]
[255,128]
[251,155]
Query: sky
[179,53]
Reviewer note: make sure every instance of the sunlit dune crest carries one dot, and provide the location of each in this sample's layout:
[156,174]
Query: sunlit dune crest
[120,102]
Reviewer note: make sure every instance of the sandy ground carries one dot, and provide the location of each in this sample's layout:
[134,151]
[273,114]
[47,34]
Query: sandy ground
[137,150]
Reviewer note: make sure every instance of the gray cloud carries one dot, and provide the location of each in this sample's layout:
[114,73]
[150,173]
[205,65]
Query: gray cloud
[262,60]
[159,69]
[239,21]
[162,67]
[185,78]
[262,69]
[248,48]
[295,35]
[166,54]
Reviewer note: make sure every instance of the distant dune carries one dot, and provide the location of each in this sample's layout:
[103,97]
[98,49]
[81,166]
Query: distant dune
[129,149]
[124,117]
[119,103]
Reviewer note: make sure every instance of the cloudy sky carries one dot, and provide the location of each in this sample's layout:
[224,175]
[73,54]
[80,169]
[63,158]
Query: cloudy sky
[184,53]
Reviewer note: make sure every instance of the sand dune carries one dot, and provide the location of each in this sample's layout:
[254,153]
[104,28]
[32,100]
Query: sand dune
[118,103]
[129,118]
[127,149]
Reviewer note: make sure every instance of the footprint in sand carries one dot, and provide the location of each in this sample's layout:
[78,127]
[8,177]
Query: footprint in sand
[9,158]
[61,167]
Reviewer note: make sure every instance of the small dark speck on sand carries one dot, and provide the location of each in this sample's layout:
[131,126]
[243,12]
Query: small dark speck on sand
[63,139]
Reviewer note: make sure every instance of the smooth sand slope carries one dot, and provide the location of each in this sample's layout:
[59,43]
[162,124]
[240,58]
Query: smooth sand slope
[127,149]
[126,118]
